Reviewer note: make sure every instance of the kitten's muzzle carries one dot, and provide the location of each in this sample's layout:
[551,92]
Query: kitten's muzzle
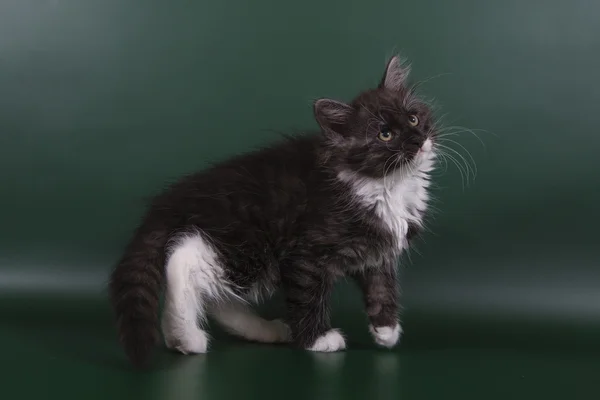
[414,145]
[427,145]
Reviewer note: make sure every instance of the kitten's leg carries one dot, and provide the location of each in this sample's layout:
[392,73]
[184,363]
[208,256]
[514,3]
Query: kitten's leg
[194,280]
[239,319]
[183,307]
[380,290]
[307,288]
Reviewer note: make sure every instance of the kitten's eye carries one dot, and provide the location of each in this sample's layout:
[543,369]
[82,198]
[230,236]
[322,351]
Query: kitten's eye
[413,120]
[385,134]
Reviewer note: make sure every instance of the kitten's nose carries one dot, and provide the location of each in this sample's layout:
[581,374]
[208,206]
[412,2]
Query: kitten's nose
[418,142]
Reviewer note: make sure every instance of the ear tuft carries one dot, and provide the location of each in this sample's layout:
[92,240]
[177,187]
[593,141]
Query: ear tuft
[396,74]
[332,115]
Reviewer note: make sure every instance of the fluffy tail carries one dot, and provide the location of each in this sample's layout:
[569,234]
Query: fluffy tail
[135,288]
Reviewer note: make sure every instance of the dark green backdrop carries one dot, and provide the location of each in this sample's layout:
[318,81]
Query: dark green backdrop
[102,101]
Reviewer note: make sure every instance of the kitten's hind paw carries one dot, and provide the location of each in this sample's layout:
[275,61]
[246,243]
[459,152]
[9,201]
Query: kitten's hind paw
[330,341]
[280,330]
[386,336]
[195,342]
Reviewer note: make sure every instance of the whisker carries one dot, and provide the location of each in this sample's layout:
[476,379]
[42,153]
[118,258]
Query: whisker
[461,129]
[369,122]
[468,153]
[458,166]
[424,81]
[369,111]
[466,164]
[386,169]
[439,156]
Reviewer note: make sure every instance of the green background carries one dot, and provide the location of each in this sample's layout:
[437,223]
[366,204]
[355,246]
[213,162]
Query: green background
[103,101]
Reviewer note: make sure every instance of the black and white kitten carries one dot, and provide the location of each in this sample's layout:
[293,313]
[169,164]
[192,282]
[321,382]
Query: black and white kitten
[296,216]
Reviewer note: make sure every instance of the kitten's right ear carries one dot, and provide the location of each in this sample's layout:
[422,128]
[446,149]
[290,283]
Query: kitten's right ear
[396,74]
[332,115]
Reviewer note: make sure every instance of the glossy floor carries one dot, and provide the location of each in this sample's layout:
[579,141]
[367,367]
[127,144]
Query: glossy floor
[65,348]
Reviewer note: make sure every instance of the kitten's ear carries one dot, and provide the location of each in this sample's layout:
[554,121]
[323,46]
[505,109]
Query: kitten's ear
[395,75]
[332,115]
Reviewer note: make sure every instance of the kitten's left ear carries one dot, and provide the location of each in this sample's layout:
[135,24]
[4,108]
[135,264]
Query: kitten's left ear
[332,115]
[395,75]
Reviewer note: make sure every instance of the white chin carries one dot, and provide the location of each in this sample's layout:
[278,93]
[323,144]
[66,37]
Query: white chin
[427,146]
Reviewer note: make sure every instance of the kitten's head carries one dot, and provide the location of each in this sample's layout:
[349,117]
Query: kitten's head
[381,130]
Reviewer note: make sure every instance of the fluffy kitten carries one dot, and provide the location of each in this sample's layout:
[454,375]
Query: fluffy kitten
[296,215]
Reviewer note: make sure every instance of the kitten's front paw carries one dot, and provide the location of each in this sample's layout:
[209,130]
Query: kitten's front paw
[386,336]
[331,341]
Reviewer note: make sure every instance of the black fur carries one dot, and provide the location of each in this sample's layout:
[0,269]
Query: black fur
[280,217]
[135,288]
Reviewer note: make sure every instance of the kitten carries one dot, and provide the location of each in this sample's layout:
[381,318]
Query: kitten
[296,215]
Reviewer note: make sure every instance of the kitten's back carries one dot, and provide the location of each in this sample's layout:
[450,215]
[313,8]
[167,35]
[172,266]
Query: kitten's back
[260,185]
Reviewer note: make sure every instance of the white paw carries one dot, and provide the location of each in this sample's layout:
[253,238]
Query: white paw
[331,341]
[386,336]
[191,343]
[279,331]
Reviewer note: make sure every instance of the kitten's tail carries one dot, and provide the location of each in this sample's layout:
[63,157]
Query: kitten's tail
[135,288]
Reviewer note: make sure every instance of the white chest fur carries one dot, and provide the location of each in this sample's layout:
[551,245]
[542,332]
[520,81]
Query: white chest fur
[400,198]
